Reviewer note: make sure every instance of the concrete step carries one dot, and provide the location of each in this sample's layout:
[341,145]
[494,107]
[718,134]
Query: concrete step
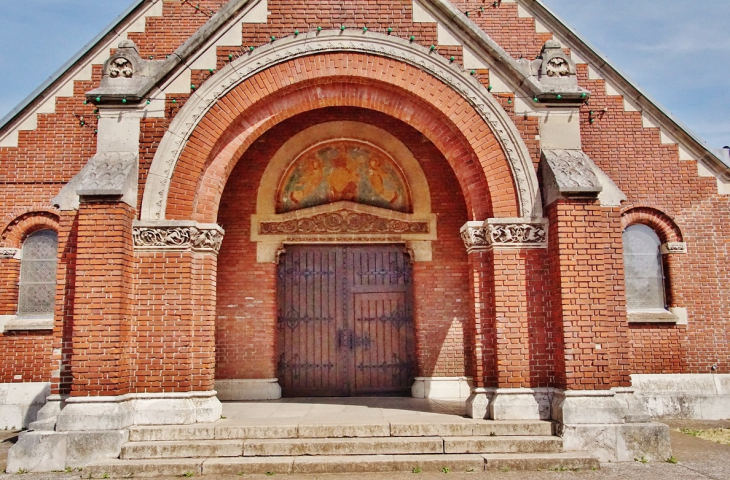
[215,467]
[182,449]
[542,461]
[343,446]
[465,429]
[495,444]
[386,429]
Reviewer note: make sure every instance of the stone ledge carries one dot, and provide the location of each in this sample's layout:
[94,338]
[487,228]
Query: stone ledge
[651,316]
[19,323]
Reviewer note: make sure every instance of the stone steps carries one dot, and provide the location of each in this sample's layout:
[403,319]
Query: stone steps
[385,429]
[152,468]
[339,446]
[278,446]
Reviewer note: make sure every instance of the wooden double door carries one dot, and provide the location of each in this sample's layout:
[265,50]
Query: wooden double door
[345,320]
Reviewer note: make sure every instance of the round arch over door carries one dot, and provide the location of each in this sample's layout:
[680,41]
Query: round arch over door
[474,102]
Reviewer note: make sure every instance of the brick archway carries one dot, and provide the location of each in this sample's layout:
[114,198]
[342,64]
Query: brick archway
[453,111]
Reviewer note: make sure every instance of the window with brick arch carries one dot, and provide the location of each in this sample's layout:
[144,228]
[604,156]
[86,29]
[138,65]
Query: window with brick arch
[37,290]
[643,269]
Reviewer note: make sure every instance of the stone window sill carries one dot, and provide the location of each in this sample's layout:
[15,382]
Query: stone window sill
[13,322]
[652,316]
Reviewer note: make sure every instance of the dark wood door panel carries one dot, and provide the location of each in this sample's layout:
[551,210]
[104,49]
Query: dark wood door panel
[309,317]
[345,322]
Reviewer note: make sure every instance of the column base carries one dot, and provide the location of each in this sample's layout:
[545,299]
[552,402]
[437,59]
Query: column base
[20,403]
[609,425]
[92,428]
[457,388]
[510,403]
[248,389]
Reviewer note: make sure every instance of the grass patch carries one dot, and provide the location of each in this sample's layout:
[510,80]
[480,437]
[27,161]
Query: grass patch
[718,435]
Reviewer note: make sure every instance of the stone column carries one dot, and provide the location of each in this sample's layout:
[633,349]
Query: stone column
[505,256]
[175,311]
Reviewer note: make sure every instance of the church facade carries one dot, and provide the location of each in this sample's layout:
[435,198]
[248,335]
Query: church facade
[247,199]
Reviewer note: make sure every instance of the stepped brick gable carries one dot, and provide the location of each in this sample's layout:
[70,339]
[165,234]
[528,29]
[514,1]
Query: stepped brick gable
[250,199]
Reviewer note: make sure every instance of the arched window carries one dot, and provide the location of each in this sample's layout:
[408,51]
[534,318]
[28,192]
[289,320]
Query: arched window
[643,269]
[37,291]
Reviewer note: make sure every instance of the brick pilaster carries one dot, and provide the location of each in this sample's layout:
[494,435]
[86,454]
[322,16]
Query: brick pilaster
[100,362]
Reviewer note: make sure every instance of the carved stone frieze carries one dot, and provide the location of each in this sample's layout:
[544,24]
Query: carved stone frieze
[178,237]
[514,234]
[6,253]
[342,221]
[474,236]
[498,233]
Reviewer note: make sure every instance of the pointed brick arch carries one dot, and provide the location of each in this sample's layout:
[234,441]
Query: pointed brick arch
[450,108]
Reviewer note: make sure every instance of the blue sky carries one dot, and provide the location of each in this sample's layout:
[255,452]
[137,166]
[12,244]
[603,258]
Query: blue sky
[677,51]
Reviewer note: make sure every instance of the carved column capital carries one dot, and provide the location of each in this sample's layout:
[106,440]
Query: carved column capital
[177,236]
[505,233]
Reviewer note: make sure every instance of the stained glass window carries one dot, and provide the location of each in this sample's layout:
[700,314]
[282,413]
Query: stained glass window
[643,268]
[37,290]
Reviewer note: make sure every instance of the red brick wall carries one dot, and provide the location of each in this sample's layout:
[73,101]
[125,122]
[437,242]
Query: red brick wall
[101,327]
[587,304]
[25,356]
[649,172]
[173,319]
[246,293]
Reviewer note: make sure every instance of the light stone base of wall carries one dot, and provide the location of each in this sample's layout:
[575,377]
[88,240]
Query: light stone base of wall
[605,423]
[510,403]
[92,428]
[697,396]
[248,389]
[447,388]
[20,403]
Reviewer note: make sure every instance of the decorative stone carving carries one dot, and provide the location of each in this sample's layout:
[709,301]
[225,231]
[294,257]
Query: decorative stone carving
[673,248]
[511,234]
[554,73]
[126,76]
[342,221]
[504,234]
[286,49]
[107,174]
[178,237]
[6,253]
[567,173]
[474,236]
[121,67]
[557,67]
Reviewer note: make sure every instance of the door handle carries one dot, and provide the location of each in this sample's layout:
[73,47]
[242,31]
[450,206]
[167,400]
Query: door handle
[341,338]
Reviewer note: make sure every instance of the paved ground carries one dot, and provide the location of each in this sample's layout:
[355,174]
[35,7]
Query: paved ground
[697,459]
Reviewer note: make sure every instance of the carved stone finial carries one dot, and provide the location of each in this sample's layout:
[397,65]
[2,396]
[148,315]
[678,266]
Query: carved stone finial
[555,70]
[123,75]
[127,44]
